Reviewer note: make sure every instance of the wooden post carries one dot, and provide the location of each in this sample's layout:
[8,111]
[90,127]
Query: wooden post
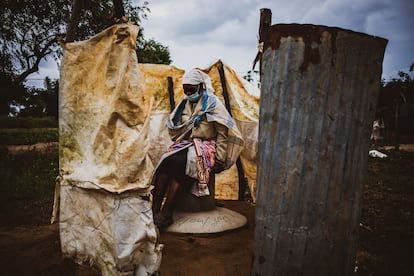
[77,6]
[74,20]
[119,9]
[265,23]
[171,92]
[319,90]
[239,165]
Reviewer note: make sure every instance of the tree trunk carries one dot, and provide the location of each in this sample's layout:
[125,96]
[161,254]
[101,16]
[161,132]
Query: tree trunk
[319,90]
[77,6]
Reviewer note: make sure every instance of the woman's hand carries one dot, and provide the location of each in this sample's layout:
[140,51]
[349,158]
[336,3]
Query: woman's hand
[218,166]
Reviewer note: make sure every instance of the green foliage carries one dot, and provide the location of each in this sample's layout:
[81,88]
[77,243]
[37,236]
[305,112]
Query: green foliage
[151,51]
[22,136]
[39,101]
[396,91]
[396,107]
[9,91]
[28,175]
[31,28]
[29,34]
[97,15]
[28,122]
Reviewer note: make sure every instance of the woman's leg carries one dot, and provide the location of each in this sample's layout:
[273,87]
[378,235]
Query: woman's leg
[168,183]
[161,185]
[164,218]
[174,189]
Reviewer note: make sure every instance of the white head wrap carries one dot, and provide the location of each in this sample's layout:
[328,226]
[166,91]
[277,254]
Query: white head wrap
[196,76]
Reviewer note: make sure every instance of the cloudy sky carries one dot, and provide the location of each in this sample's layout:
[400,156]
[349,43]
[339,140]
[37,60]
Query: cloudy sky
[199,32]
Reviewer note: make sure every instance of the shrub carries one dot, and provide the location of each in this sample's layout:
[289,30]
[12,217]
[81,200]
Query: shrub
[22,136]
[28,122]
[28,175]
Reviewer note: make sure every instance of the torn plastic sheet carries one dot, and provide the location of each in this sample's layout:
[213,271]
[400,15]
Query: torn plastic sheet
[114,232]
[112,117]
[105,214]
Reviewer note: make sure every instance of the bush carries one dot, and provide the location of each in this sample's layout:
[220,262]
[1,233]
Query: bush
[28,122]
[22,136]
[28,175]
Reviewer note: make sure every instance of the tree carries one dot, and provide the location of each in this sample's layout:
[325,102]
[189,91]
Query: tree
[396,106]
[30,33]
[9,91]
[38,102]
[151,51]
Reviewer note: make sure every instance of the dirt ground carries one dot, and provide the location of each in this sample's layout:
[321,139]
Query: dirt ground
[29,245]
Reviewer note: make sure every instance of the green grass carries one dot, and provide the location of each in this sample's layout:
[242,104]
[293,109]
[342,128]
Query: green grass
[22,136]
[28,122]
[28,175]
[385,241]
[394,174]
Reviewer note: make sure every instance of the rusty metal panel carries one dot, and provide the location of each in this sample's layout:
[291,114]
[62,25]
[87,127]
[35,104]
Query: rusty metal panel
[319,89]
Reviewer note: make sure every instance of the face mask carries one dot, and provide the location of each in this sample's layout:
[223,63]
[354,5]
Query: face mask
[194,97]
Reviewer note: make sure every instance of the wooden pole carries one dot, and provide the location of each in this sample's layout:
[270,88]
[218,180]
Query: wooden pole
[319,90]
[74,20]
[171,92]
[239,165]
[119,9]
[77,6]
[265,23]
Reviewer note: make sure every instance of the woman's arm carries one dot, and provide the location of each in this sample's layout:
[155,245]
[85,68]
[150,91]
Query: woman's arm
[221,142]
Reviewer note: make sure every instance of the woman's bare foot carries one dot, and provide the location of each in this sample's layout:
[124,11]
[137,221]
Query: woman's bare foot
[162,221]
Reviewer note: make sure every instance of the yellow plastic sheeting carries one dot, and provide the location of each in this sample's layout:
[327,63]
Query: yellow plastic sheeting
[112,125]
[103,143]
[111,231]
[155,78]
[104,125]
[244,106]
[104,113]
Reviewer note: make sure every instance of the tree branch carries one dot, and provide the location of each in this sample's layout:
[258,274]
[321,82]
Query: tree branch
[35,67]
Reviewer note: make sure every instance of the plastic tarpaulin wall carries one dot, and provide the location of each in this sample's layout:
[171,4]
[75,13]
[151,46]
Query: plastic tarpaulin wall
[244,105]
[112,126]
[104,124]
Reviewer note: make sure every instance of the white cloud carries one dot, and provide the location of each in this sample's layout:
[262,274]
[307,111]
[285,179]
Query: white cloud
[198,32]
[47,68]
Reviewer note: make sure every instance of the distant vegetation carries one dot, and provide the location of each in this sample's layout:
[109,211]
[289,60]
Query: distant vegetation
[28,122]
[28,136]
[30,33]
[27,176]
[28,130]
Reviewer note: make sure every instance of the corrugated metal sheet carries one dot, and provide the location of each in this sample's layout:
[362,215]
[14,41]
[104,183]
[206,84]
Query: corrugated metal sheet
[318,98]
